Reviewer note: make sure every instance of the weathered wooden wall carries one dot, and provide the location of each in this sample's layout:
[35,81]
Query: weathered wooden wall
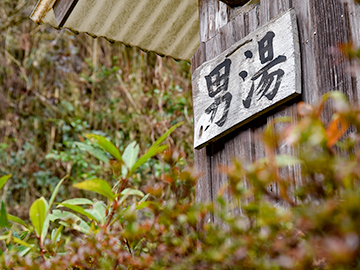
[323,24]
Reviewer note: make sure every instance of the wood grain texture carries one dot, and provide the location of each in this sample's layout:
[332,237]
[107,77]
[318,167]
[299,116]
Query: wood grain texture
[62,10]
[212,16]
[353,18]
[322,25]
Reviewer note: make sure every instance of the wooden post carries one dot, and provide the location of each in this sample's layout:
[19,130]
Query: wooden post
[322,24]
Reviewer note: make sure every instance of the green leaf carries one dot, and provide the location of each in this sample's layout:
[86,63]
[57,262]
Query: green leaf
[77,223]
[97,185]
[281,161]
[21,242]
[78,201]
[56,234]
[149,154]
[98,211]
[341,102]
[143,205]
[4,179]
[130,191]
[154,149]
[106,145]
[130,154]
[45,228]
[62,215]
[287,160]
[166,134]
[145,198]
[38,215]
[79,210]
[22,251]
[17,220]
[93,151]
[3,217]
[55,192]
[4,237]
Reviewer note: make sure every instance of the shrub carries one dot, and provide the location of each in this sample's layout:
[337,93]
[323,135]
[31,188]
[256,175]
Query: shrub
[309,226]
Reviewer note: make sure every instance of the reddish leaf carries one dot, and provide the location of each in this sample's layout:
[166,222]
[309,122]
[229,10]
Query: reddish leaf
[335,131]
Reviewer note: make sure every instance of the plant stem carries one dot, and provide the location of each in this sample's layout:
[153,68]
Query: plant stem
[115,203]
[41,248]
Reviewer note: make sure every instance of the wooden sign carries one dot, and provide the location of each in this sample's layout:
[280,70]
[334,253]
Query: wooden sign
[254,75]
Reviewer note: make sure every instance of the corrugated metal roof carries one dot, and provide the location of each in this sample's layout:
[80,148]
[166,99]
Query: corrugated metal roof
[167,27]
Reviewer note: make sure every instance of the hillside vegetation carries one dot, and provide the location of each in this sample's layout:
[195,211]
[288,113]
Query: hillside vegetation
[55,86]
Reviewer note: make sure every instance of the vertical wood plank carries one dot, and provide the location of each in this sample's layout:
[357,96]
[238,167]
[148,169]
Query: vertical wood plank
[203,21]
[253,21]
[353,18]
[353,12]
[203,185]
[212,6]
[226,34]
[269,10]
[238,23]
[222,16]
[199,57]
[306,30]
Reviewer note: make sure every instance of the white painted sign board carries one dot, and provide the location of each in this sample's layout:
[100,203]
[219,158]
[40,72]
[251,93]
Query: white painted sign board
[253,76]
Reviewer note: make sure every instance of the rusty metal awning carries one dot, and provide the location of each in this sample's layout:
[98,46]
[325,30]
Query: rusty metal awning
[167,27]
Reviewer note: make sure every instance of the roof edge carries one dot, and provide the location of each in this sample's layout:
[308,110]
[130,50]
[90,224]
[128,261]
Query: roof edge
[41,9]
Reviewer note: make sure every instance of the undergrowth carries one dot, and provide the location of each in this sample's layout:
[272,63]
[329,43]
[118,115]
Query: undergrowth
[312,225]
[55,86]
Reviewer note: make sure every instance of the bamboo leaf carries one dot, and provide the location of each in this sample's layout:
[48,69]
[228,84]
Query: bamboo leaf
[105,144]
[97,185]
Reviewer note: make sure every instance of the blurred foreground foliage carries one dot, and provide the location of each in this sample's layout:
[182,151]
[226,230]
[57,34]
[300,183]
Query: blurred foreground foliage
[271,222]
[55,86]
